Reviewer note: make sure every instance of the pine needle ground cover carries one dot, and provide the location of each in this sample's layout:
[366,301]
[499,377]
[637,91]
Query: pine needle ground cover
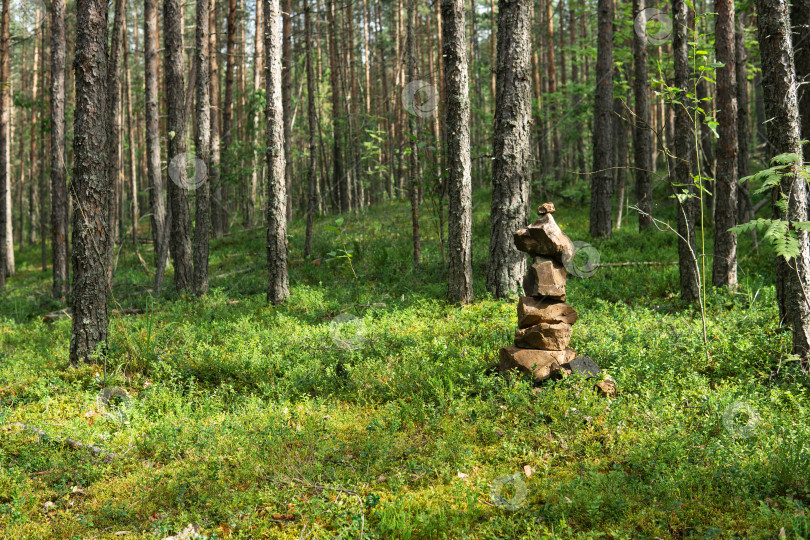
[366,406]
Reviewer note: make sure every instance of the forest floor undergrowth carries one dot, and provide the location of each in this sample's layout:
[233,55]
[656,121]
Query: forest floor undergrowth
[368,407]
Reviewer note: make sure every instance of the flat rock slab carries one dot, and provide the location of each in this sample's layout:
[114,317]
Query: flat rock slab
[539,364]
[607,387]
[545,278]
[543,238]
[584,365]
[532,311]
[551,337]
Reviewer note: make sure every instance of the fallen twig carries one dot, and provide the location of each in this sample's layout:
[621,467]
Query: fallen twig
[106,457]
[649,263]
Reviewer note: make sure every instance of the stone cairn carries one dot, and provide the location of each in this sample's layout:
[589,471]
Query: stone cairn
[545,321]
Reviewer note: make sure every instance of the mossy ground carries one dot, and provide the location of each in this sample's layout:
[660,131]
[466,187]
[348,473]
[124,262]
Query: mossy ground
[250,421]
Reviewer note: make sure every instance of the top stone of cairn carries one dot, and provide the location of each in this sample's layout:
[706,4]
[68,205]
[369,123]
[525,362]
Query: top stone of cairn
[546,208]
[543,238]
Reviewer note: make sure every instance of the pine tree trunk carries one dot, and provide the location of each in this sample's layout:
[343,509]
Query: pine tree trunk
[228,127]
[457,83]
[43,152]
[601,219]
[218,214]
[5,137]
[782,108]
[744,206]
[116,54]
[180,240]
[340,187]
[6,228]
[312,181]
[202,143]
[278,287]
[59,196]
[154,173]
[413,158]
[642,125]
[724,271]
[286,91]
[800,20]
[133,176]
[684,147]
[91,184]
[620,136]
[511,169]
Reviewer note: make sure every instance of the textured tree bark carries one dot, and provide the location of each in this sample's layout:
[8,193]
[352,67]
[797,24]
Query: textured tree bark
[91,184]
[227,113]
[724,269]
[202,143]
[5,135]
[153,170]
[684,158]
[800,21]
[413,158]
[511,171]
[6,228]
[257,163]
[743,116]
[180,240]
[33,194]
[642,126]
[603,144]
[782,107]
[59,204]
[43,150]
[312,181]
[340,187]
[367,57]
[286,90]
[551,74]
[620,136]
[218,214]
[457,91]
[278,286]
[116,54]
[745,207]
[133,176]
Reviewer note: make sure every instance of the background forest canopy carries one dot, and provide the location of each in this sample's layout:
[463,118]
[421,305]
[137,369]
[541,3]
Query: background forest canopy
[387,156]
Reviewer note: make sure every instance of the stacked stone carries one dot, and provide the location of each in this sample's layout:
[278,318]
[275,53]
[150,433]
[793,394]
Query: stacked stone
[544,319]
